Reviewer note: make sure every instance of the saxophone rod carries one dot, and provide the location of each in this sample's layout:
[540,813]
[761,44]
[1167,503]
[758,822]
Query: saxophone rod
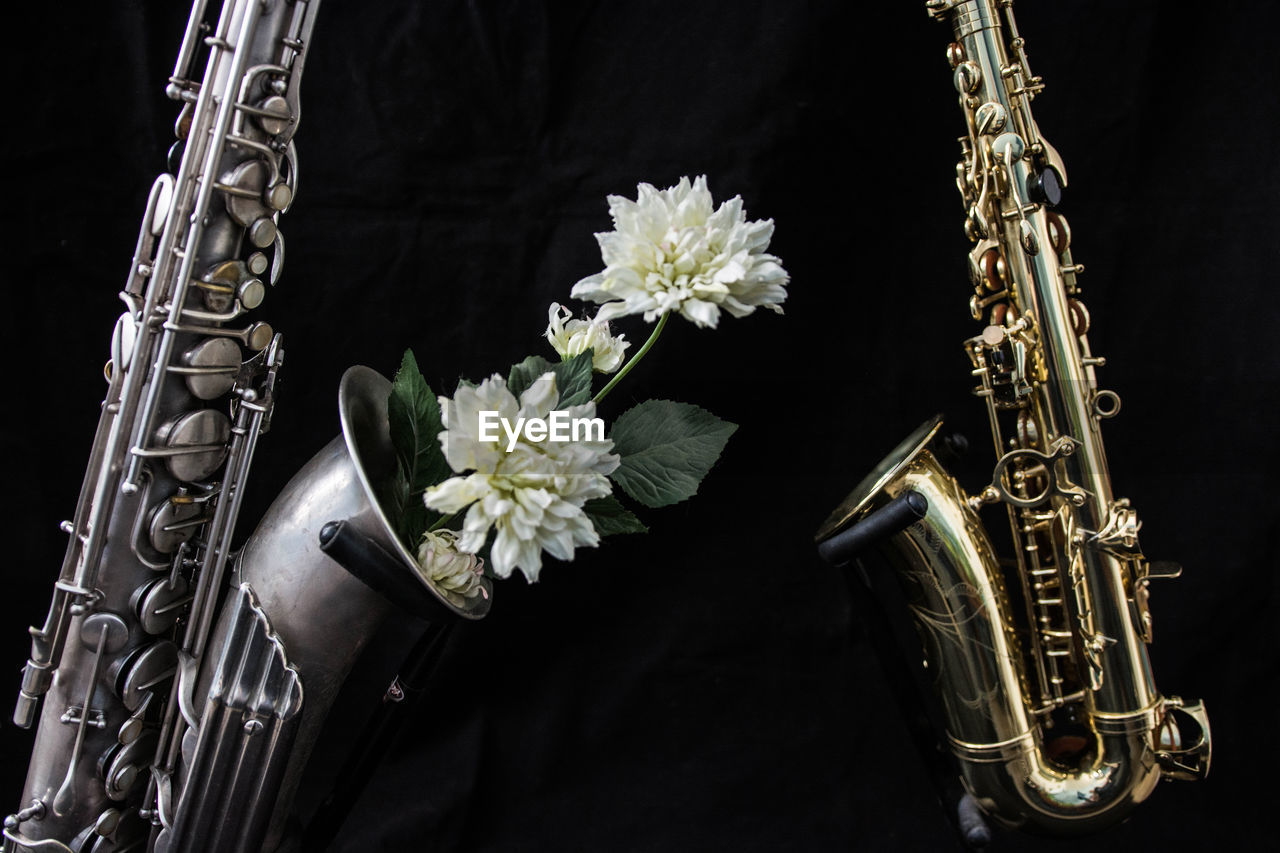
[239,59]
[179,82]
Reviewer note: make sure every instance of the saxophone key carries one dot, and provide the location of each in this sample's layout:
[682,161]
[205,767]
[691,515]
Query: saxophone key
[190,739]
[272,114]
[118,769]
[250,190]
[262,233]
[257,263]
[1163,570]
[967,78]
[182,124]
[1045,187]
[251,292]
[138,674]
[106,824]
[192,446]
[173,159]
[990,118]
[159,603]
[211,366]
[106,631]
[132,729]
[123,340]
[160,203]
[173,521]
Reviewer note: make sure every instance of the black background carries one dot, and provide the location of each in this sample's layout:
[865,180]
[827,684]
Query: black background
[704,687]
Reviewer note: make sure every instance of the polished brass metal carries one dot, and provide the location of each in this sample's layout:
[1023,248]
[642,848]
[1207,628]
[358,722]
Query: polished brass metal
[1040,662]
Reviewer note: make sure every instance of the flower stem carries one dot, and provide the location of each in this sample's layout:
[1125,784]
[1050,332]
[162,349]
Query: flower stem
[443,521]
[631,362]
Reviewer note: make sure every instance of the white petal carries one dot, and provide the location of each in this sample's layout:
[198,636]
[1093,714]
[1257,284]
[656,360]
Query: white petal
[703,314]
[456,492]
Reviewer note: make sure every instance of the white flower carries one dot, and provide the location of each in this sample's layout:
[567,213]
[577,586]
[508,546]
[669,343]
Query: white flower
[533,495]
[670,252]
[448,568]
[577,336]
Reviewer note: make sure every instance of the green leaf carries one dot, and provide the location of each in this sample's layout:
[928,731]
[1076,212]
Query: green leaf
[666,449]
[409,515]
[573,377]
[611,518]
[413,415]
[523,374]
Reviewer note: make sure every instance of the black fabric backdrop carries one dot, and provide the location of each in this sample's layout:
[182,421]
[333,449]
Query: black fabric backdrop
[704,687]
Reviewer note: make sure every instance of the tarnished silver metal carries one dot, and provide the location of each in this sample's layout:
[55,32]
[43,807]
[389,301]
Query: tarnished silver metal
[180,710]
[1040,662]
[242,742]
[320,614]
[150,539]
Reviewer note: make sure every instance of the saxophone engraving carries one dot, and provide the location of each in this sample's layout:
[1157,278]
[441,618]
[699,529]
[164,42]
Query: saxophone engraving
[1040,663]
[177,685]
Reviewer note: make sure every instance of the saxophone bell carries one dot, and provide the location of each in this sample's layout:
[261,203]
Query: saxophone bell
[1056,770]
[313,583]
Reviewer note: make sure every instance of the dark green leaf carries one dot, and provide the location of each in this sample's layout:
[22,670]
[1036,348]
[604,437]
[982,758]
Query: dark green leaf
[413,415]
[408,512]
[573,377]
[523,374]
[611,518]
[666,449]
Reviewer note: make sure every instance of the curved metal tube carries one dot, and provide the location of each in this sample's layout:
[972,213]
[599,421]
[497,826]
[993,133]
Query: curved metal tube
[322,614]
[955,588]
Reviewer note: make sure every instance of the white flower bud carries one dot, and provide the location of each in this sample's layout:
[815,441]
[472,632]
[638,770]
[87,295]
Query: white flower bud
[448,568]
[571,338]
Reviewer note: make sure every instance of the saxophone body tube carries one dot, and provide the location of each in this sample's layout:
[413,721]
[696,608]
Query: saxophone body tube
[1039,661]
[189,391]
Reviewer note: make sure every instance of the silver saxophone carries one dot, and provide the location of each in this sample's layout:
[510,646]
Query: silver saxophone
[178,686]
[1039,661]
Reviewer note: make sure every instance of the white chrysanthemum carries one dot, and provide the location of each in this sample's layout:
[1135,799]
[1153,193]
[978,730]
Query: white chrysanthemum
[448,568]
[670,252]
[571,338]
[532,495]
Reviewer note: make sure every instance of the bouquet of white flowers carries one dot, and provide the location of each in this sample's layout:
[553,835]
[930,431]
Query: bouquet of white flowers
[517,465]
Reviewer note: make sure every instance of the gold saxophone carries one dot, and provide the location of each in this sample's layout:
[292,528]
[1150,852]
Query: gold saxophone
[1040,662]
